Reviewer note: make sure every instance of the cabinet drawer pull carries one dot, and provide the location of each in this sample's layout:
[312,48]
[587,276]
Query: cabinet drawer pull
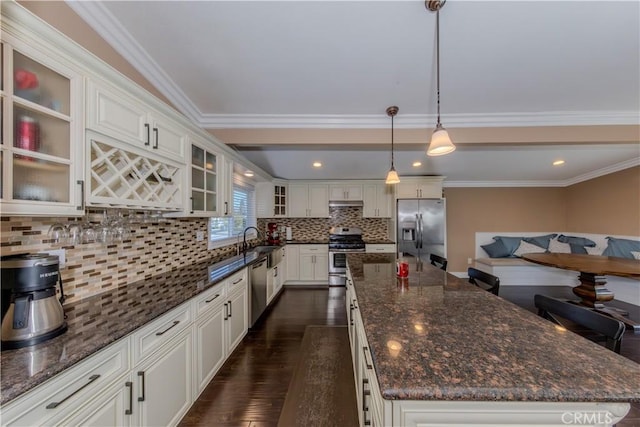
[141,374]
[209,300]
[191,204]
[226,312]
[226,208]
[130,410]
[54,405]
[148,141]
[229,308]
[175,322]
[366,362]
[237,281]
[155,132]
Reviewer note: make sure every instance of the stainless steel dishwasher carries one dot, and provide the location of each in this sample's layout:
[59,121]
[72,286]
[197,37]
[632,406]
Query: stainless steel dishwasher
[258,279]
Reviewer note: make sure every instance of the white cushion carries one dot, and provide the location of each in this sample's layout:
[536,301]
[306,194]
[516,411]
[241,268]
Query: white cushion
[597,250]
[636,255]
[528,248]
[559,247]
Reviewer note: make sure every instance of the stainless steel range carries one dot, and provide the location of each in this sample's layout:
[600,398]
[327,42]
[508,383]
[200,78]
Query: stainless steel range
[342,240]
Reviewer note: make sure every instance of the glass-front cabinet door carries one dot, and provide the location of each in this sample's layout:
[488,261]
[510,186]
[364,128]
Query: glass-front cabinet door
[204,181]
[41,135]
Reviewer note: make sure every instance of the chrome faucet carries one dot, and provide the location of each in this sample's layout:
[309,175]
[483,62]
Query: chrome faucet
[244,237]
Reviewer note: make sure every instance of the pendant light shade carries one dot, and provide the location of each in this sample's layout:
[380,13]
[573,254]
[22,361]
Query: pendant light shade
[440,141]
[392,176]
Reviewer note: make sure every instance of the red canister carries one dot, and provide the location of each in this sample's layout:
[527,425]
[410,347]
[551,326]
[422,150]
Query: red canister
[27,134]
[402,269]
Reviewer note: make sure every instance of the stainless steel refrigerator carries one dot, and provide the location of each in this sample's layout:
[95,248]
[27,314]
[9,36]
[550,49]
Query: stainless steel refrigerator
[421,228]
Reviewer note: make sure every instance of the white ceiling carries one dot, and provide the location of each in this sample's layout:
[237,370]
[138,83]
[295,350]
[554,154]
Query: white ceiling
[339,64]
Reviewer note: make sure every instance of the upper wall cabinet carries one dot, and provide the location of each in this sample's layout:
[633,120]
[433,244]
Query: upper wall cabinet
[308,200]
[345,192]
[41,146]
[271,200]
[377,200]
[116,114]
[420,188]
[121,175]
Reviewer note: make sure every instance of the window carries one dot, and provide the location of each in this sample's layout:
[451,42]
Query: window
[225,230]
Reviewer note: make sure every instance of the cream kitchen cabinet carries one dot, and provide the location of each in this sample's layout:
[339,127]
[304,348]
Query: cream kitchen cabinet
[419,188]
[237,317]
[210,330]
[80,388]
[308,200]
[114,113]
[120,175]
[380,248]
[226,187]
[341,192]
[271,200]
[275,277]
[112,407]
[377,200]
[292,262]
[41,144]
[314,263]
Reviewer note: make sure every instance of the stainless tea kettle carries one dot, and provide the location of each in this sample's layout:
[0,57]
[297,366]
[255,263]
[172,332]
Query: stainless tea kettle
[31,311]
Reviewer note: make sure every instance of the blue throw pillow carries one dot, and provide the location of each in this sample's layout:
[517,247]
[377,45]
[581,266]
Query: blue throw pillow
[511,243]
[574,240]
[496,250]
[542,241]
[577,249]
[621,247]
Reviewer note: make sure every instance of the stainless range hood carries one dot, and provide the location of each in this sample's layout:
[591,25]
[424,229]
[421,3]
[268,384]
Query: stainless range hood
[345,203]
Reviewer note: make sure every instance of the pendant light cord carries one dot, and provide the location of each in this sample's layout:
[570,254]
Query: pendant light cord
[438,63]
[391,142]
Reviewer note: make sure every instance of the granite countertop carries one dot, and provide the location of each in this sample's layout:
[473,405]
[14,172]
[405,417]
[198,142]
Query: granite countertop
[434,336]
[100,320]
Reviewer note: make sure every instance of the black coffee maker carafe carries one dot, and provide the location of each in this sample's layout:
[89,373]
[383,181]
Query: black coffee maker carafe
[31,311]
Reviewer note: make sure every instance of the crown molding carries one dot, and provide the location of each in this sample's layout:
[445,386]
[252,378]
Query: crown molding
[109,28]
[413,121]
[558,183]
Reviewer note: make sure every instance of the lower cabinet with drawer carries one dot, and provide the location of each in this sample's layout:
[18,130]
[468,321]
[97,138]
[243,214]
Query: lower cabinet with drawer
[150,377]
[81,387]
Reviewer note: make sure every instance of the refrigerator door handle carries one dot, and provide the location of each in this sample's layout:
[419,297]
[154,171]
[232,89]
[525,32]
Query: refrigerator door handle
[421,228]
[417,231]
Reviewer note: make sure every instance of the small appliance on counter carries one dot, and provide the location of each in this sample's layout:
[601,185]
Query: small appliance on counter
[273,236]
[31,312]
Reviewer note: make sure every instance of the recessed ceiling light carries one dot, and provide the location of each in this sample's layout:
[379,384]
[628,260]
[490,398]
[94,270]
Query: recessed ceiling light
[416,164]
[317,164]
[558,163]
[248,173]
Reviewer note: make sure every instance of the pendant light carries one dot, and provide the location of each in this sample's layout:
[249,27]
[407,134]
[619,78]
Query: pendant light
[440,141]
[392,176]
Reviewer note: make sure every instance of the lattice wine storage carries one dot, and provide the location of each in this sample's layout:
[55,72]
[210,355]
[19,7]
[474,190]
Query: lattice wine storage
[123,178]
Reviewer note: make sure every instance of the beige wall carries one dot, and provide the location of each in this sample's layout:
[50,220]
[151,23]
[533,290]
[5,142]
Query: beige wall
[470,210]
[606,205]
[64,19]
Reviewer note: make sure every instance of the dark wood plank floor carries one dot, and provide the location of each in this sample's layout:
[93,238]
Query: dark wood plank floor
[250,389]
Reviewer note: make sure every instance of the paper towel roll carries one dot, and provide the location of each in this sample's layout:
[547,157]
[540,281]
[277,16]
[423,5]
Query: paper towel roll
[289,234]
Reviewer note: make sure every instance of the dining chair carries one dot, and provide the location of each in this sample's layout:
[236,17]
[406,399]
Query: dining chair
[483,280]
[438,261]
[607,328]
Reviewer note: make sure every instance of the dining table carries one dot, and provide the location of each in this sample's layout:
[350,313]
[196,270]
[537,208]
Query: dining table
[593,269]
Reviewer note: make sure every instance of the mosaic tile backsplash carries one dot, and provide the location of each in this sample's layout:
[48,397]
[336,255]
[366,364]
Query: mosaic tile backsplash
[153,247]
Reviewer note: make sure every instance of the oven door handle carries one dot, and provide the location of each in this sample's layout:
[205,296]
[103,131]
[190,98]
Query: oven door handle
[344,276]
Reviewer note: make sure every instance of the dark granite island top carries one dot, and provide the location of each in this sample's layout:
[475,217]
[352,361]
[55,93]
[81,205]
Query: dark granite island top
[98,321]
[456,342]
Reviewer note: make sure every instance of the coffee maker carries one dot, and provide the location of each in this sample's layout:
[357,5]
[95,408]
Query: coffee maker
[31,311]
[273,236]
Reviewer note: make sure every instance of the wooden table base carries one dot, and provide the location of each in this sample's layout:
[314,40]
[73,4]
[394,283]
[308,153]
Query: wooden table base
[592,292]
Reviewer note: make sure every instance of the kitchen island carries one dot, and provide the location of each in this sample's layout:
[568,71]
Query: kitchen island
[432,349]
